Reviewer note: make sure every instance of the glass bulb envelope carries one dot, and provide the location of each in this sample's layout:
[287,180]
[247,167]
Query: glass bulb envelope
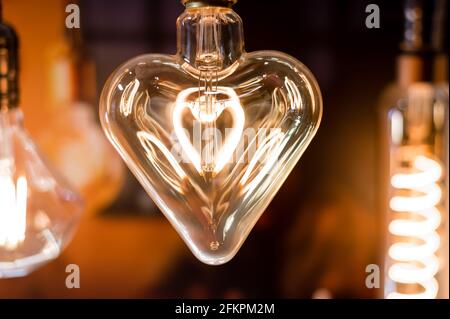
[38,210]
[212,132]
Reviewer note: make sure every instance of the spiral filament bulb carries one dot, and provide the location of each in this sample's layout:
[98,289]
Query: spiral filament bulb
[415,260]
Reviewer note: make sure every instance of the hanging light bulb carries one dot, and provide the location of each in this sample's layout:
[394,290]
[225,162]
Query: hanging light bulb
[38,212]
[212,132]
[415,159]
[416,259]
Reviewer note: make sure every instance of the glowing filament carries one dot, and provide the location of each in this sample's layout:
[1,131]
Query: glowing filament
[415,258]
[13,211]
[232,104]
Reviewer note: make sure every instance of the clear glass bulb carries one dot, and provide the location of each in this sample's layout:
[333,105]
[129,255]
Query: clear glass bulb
[212,132]
[38,211]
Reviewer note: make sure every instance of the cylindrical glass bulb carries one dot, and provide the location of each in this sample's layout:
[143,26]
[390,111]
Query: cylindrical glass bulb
[417,194]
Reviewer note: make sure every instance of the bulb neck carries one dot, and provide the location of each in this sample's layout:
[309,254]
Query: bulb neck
[9,92]
[413,68]
[210,37]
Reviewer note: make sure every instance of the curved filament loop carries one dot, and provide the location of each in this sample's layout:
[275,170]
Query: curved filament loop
[415,257]
[232,104]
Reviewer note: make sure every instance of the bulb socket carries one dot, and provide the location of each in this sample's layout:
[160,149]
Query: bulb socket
[9,67]
[208,3]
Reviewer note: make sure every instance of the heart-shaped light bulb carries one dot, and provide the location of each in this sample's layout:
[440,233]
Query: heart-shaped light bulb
[212,132]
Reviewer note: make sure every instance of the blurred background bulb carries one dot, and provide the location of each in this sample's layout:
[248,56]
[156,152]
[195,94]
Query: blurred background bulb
[38,211]
[73,139]
[415,158]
